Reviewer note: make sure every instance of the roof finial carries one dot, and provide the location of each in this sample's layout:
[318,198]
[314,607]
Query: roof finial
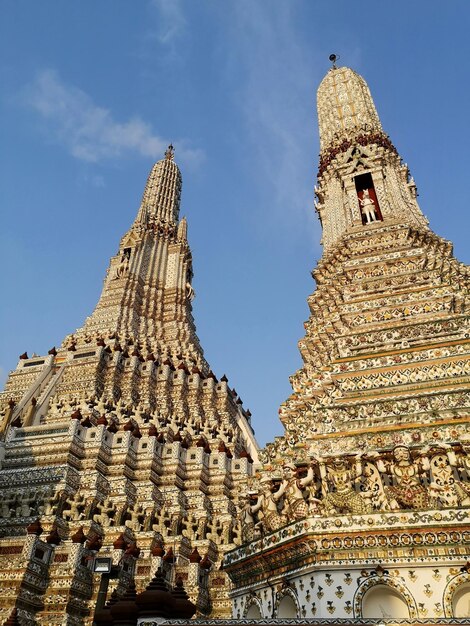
[333,58]
[170,152]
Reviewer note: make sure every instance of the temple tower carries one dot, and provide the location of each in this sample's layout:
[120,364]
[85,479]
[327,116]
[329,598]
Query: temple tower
[358,158]
[147,292]
[361,493]
[122,442]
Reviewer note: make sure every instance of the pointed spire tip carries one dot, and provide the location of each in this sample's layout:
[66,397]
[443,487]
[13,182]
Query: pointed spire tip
[170,152]
[333,58]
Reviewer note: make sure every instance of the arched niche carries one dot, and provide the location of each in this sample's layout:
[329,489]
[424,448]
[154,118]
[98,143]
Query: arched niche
[287,608]
[253,612]
[382,601]
[253,608]
[461,601]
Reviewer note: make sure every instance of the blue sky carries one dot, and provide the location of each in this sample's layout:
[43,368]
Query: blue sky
[93,91]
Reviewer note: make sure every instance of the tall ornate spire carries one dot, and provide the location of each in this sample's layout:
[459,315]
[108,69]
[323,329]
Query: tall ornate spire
[126,438]
[147,292]
[162,195]
[345,105]
[361,177]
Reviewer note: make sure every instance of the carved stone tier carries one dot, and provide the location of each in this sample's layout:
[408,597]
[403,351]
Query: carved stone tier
[386,346]
[326,567]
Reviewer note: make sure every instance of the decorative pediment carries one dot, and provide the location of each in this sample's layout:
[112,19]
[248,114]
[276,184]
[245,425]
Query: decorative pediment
[357,159]
[130,239]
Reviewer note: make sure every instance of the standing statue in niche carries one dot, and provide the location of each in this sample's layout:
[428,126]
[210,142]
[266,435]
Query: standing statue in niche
[123,267]
[368,207]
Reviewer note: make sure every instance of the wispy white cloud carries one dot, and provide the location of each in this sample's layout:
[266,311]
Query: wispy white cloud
[91,179]
[162,44]
[90,132]
[278,99]
[171,21]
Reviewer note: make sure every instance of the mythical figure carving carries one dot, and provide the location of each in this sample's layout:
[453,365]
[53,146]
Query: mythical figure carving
[201,530]
[407,492]
[8,506]
[246,519]
[268,517]
[339,481]
[23,508]
[74,507]
[107,511]
[371,487]
[295,507]
[137,517]
[446,489]
[53,503]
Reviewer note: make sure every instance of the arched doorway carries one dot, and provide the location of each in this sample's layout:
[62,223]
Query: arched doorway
[383,601]
[461,601]
[287,607]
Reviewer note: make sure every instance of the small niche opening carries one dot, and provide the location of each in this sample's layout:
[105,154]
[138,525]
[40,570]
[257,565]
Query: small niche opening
[369,205]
